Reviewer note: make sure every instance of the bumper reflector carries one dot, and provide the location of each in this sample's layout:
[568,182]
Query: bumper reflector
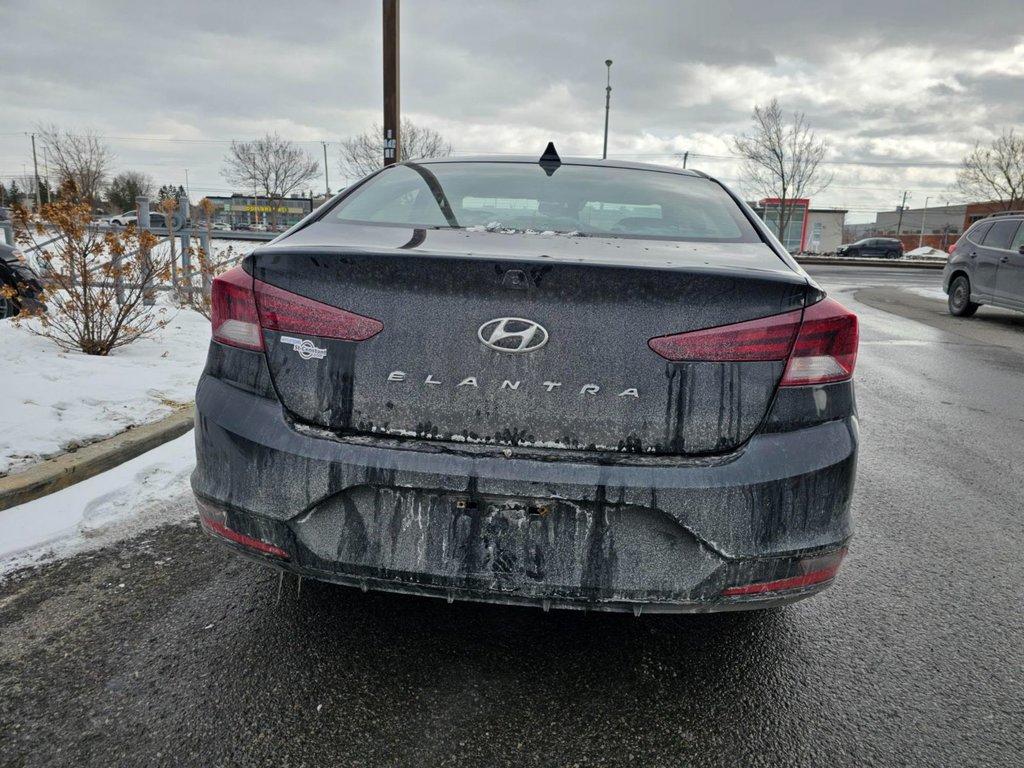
[815,570]
[215,521]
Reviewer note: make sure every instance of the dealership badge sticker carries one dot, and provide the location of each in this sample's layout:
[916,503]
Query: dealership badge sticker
[307,349]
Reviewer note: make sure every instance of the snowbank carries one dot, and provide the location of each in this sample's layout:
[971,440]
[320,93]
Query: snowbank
[54,400]
[143,493]
[927,253]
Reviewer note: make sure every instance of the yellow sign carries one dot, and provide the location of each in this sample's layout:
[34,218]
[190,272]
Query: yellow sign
[263,209]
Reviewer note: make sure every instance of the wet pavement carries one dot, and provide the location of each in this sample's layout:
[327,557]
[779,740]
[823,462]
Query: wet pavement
[170,651]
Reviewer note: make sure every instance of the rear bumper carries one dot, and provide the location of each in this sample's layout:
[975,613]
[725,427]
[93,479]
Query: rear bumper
[540,528]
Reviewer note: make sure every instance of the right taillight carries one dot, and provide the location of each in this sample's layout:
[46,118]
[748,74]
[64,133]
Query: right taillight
[826,346]
[819,343]
[233,311]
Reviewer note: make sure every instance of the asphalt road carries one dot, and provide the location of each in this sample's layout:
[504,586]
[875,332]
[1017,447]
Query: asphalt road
[168,651]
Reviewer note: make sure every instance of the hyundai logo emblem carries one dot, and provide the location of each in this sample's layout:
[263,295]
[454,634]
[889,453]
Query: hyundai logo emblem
[512,334]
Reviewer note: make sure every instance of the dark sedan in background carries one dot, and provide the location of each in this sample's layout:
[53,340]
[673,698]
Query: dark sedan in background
[19,284]
[873,247]
[579,384]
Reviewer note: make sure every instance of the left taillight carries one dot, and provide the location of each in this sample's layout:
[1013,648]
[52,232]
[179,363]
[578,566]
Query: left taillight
[233,315]
[241,307]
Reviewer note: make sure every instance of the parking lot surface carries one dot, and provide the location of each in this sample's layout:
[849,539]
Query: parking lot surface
[168,650]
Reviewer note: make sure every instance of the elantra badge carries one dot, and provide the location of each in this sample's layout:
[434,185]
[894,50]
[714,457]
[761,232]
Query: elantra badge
[512,334]
[307,349]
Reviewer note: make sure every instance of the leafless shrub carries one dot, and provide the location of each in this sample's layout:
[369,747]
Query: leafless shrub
[96,285]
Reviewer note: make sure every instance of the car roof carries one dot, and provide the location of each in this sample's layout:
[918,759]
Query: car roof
[533,160]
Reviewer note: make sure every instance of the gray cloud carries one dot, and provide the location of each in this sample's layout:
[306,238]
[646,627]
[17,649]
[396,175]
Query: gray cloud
[901,81]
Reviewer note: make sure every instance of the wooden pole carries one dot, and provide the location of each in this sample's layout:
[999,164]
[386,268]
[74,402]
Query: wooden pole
[392,112]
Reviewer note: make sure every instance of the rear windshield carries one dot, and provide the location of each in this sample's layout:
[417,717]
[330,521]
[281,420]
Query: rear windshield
[523,197]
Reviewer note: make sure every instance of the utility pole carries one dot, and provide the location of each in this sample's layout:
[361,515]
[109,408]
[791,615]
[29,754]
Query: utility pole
[607,107]
[686,156]
[924,215]
[327,181]
[35,166]
[392,111]
[899,222]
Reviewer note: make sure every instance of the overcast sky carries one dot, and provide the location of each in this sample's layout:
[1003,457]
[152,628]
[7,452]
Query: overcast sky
[901,90]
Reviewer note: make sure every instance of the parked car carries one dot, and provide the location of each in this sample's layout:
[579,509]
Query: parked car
[19,284]
[873,247]
[130,218]
[220,226]
[986,266]
[648,407]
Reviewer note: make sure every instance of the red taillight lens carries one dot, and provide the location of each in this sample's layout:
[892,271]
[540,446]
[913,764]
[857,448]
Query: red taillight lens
[813,570]
[281,310]
[241,307]
[214,520]
[764,339]
[233,310]
[820,343]
[826,347]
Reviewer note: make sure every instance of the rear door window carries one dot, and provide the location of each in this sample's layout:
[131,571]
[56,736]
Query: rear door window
[1001,234]
[1018,239]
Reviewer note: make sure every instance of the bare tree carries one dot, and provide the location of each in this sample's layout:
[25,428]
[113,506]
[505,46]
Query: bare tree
[781,160]
[995,172]
[82,158]
[125,187]
[272,166]
[363,154]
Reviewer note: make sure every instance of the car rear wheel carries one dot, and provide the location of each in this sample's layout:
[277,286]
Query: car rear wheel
[891,255]
[7,307]
[960,304]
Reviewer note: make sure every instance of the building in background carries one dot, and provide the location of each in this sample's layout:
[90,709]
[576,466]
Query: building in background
[246,210]
[809,230]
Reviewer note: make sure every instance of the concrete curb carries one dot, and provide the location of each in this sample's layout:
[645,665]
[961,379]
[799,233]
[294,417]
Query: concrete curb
[70,468]
[894,263]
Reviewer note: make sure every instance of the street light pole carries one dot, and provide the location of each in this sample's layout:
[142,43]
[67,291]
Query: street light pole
[924,215]
[607,107]
[35,167]
[327,181]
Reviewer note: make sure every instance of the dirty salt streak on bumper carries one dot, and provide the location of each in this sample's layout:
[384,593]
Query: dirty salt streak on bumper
[763,526]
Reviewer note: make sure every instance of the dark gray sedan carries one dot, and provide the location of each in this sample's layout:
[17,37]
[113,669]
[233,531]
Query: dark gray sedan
[578,384]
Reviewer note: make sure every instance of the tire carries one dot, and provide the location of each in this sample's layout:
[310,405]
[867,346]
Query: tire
[960,304]
[891,255]
[7,306]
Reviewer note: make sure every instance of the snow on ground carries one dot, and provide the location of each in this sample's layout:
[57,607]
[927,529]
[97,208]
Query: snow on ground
[55,400]
[926,252]
[143,493]
[928,293]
